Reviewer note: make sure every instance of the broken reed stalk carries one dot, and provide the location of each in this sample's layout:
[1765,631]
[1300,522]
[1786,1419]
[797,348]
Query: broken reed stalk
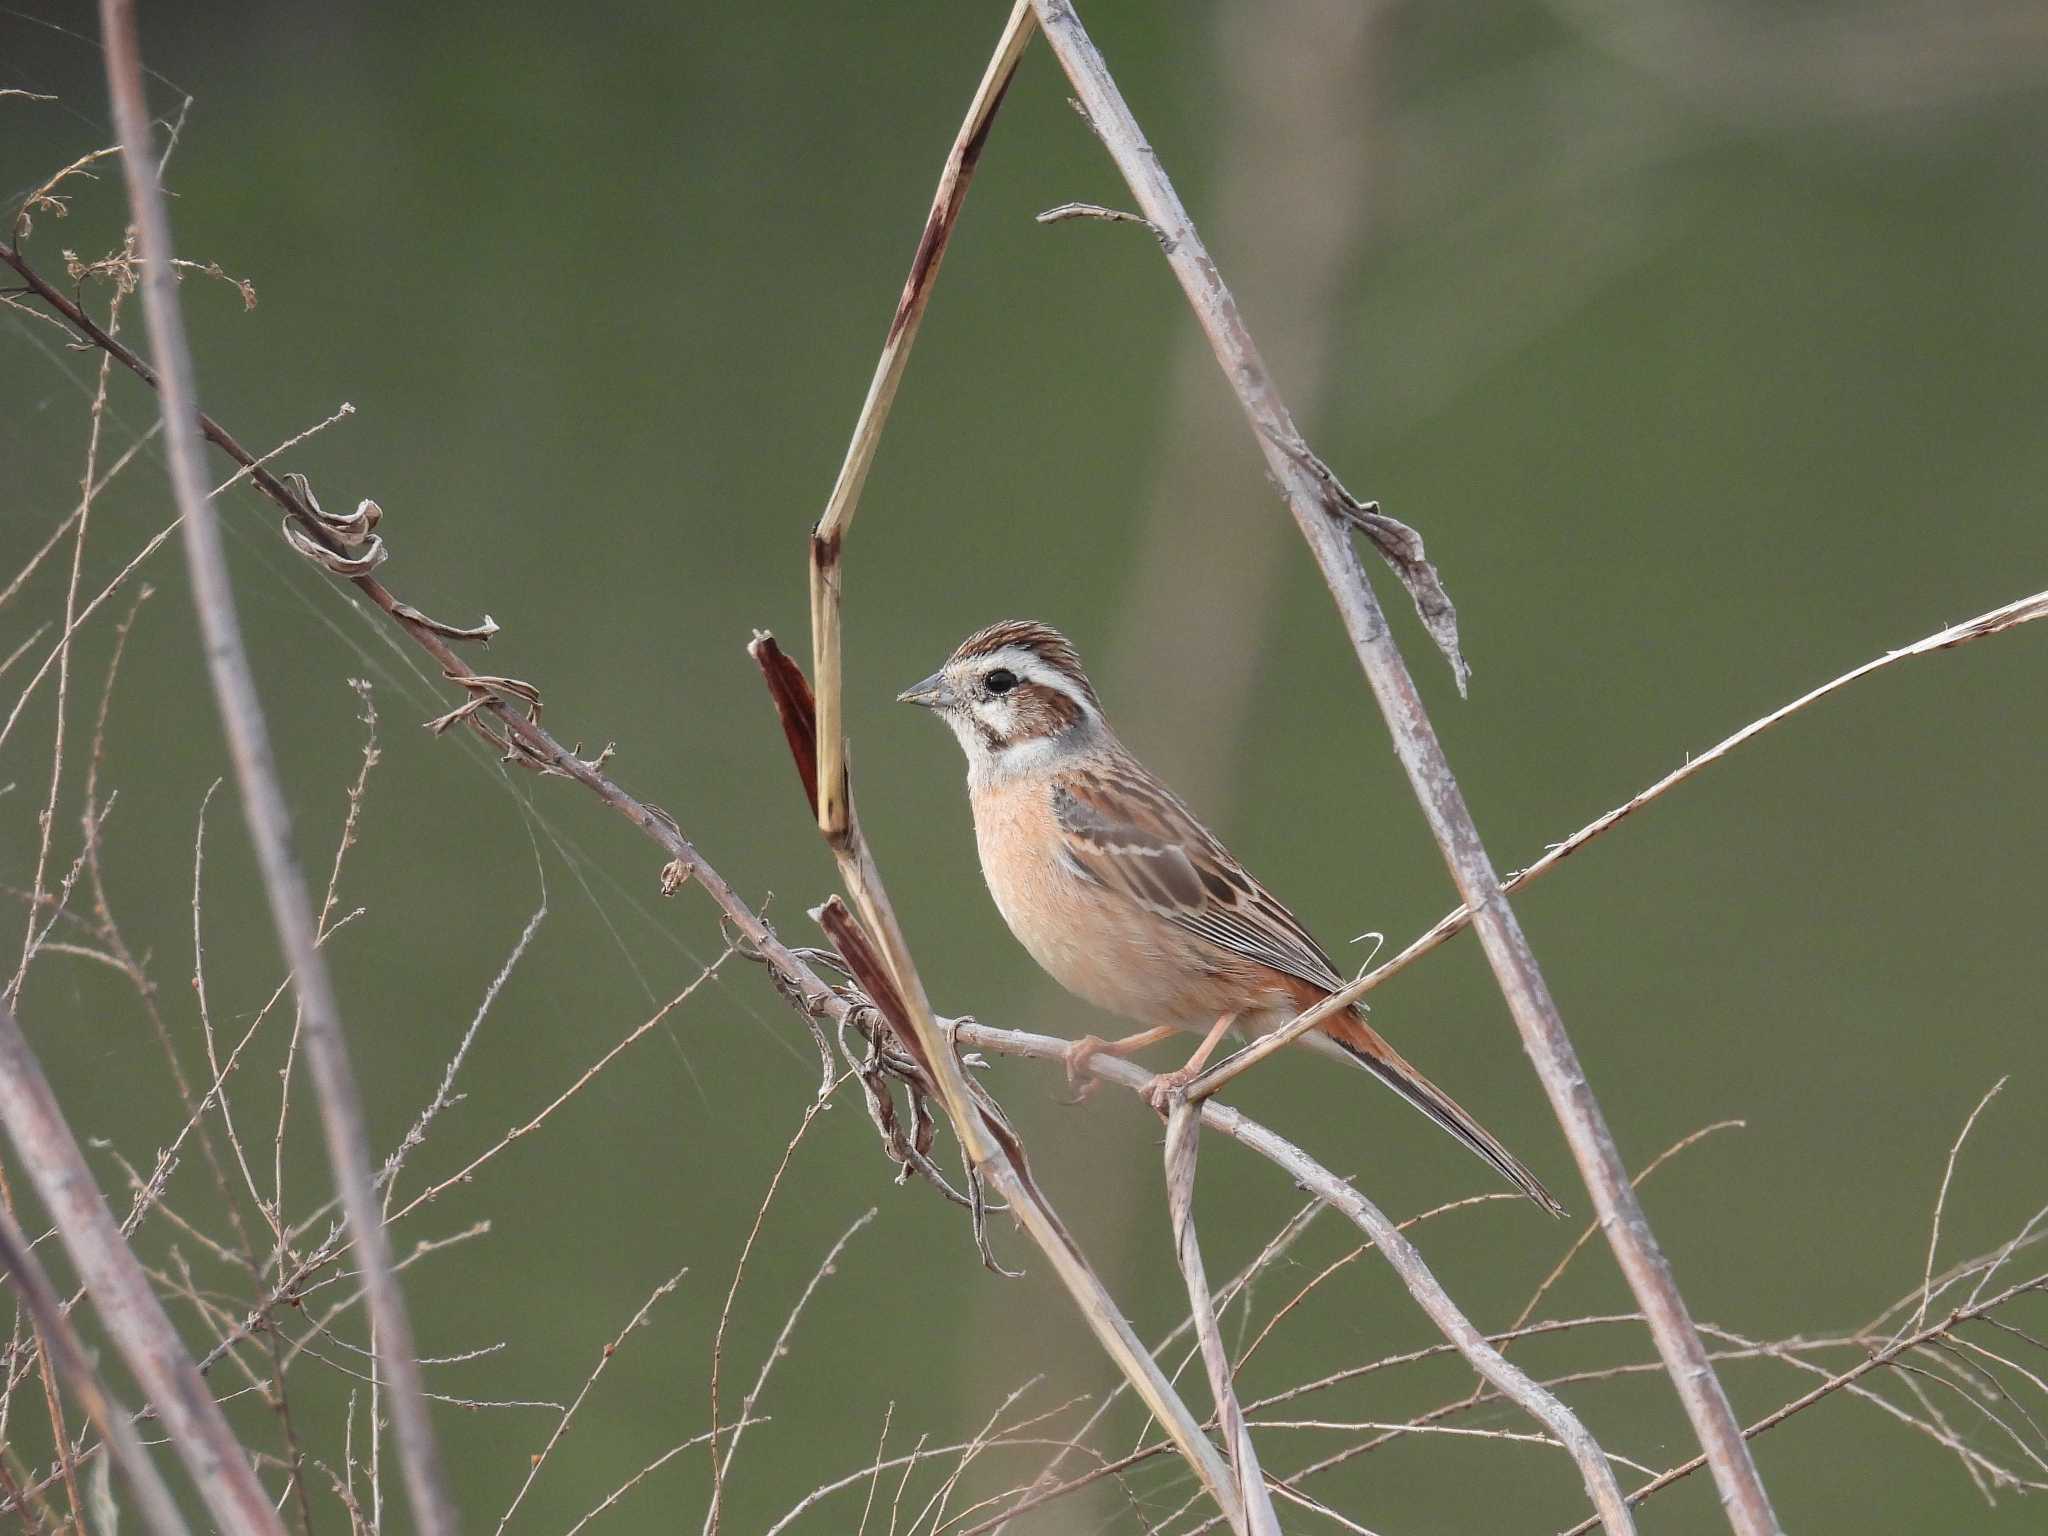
[135,1321]
[832,795]
[1310,498]
[994,1155]
[1401,1255]
[263,802]
[60,1342]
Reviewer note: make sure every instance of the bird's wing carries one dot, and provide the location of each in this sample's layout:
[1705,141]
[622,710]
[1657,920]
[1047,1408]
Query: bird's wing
[1126,832]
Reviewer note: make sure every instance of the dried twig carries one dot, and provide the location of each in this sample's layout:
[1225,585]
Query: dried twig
[1400,1254]
[1183,1139]
[994,1155]
[134,1319]
[1877,1359]
[1995,621]
[1309,497]
[779,1349]
[60,1341]
[569,1413]
[263,802]
[1948,1173]
[721,1460]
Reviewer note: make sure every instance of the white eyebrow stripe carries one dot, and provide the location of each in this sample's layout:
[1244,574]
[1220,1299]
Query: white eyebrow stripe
[1034,668]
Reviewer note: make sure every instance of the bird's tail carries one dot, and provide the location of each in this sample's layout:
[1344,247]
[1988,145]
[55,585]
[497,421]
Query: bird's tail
[1362,1044]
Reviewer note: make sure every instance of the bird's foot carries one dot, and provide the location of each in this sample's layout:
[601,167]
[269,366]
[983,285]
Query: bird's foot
[1167,1088]
[1076,1058]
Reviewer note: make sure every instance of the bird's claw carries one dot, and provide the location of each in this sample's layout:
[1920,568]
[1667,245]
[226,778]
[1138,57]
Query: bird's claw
[1167,1089]
[1076,1058]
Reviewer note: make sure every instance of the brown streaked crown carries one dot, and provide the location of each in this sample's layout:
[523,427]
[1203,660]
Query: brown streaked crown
[1051,647]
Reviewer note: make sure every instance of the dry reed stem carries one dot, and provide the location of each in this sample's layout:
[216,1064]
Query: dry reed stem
[60,1342]
[994,1155]
[1401,1256]
[833,807]
[128,1307]
[1183,1140]
[1323,514]
[263,802]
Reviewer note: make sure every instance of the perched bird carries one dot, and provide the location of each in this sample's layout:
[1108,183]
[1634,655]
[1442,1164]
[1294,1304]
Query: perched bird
[1116,888]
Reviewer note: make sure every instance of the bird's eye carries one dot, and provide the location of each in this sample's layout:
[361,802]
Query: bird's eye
[1002,680]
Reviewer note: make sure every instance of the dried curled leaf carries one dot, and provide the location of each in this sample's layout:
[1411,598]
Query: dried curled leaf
[352,547]
[794,706]
[350,529]
[1400,546]
[350,565]
[412,615]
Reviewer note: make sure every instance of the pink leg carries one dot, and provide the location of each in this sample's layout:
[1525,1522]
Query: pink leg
[1160,1091]
[1087,1047]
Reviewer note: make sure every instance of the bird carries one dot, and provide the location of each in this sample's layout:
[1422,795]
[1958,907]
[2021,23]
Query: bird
[1125,898]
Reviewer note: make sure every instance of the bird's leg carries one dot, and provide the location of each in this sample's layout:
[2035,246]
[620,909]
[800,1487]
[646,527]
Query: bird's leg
[1160,1091]
[1083,1050]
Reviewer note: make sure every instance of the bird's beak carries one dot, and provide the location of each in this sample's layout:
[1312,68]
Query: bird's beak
[932,693]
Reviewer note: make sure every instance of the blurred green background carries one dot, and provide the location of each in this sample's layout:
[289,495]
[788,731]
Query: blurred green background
[1705,343]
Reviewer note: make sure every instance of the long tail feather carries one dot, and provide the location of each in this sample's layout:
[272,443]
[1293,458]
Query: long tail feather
[1363,1045]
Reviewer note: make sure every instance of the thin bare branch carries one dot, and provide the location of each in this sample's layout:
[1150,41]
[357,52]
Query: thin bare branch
[720,1462]
[1992,622]
[263,801]
[1183,1139]
[1948,1173]
[604,1359]
[1400,1254]
[60,1341]
[1876,1360]
[779,1349]
[134,1319]
[1308,493]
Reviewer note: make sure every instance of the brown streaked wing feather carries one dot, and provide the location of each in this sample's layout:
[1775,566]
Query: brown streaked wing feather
[1129,833]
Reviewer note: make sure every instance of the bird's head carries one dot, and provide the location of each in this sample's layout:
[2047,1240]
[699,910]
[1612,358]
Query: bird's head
[1015,695]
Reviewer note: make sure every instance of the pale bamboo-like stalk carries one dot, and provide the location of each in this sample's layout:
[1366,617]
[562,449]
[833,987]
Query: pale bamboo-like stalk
[1995,621]
[1401,1255]
[834,801]
[1308,494]
[134,1319]
[990,1155]
[262,796]
[61,1344]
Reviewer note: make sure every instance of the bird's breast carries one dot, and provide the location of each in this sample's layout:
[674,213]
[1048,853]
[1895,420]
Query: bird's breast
[1091,941]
